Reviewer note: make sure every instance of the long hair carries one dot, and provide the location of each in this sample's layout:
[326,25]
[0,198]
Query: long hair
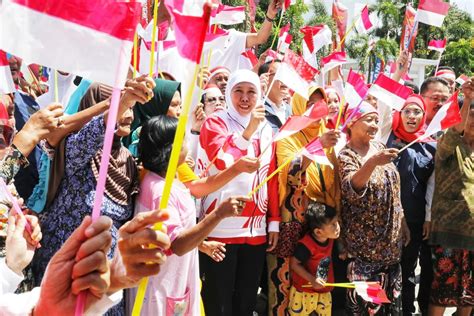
[156,141]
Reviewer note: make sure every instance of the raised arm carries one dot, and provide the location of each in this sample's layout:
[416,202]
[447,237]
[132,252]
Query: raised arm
[262,35]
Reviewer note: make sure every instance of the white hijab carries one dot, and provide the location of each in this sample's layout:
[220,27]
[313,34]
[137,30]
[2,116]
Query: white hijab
[241,75]
[66,88]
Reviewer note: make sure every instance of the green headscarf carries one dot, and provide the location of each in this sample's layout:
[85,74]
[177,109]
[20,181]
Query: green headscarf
[158,105]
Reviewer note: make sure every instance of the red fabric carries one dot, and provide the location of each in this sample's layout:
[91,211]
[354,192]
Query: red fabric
[397,124]
[318,253]
[339,14]
[116,18]
[408,23]
[435,6]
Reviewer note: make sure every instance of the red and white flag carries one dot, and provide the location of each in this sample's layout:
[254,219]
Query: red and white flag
[438,45]
[390,92]
[355,90]
[364,24]
[296,73]
[272,55]
[92,39]
[371,292]
[228,15]
[462,79]
[296,123]
[448,115]
[432,12]
[333,60]
[6,80]
[314,151]
[314,38]
[190,32]
[249,55]
[284,39]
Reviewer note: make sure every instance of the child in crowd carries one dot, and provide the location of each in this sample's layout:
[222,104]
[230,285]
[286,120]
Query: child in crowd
[311,265]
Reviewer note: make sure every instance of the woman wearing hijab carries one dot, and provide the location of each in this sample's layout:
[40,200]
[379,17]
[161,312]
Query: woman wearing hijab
[299,182]
[372,213]
[416,168]
[166,100]
[74,197]
[230,287]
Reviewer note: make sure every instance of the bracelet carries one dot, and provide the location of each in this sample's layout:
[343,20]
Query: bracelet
[268,19]
[195,132]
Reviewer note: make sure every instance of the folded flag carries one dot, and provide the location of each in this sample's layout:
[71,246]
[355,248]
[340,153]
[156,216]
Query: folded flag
[355,90]
[296,73]
[315,152]
[250,56]
[432,12]
[448,115]
[391,92]
[340,16]
[462,79]
[371,292]
[272,55]
[92,39]
[228,15]
[438,45]
[333,60]
[314,38]
[190,32]
[407,28]
[6,80]
[284,39]
[364,24]
[296,123]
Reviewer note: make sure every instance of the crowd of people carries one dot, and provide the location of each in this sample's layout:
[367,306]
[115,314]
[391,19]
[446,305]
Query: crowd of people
[374,213]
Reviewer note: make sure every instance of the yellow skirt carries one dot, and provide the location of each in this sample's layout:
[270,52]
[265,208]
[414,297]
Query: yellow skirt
[302,303]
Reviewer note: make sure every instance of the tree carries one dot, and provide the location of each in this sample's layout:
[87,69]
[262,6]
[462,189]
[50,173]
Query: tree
[457,28]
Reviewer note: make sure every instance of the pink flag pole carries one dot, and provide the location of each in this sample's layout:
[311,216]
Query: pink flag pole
[104,164]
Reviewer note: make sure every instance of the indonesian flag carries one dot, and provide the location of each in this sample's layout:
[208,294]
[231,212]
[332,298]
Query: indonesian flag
[462,79]
[296,123]
[296,73]
[339,14]
[314,38]
[438,45]
[92,39]
[6,80]
[250,56]
[407,27]
[272,55]
[228,15]
[355,90]
[371,292]
[284,39]
[432,12]
[364,24]
[447,116]
[390,92]
[315,152]
[333,60]
[190,32]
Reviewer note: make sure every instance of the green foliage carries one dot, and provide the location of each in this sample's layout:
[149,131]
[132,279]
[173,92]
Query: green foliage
[457,28]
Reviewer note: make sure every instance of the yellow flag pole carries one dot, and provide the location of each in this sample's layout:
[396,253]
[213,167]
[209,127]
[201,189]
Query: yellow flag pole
[339,116]
[287,161]
[153,36]
[348,31]
[135,53]
[278,30]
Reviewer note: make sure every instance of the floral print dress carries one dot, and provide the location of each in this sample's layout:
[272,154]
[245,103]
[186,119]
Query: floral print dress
[371,231]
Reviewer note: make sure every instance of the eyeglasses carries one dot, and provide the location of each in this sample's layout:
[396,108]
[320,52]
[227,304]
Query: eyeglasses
[215,99]
[407,112]
[437,99]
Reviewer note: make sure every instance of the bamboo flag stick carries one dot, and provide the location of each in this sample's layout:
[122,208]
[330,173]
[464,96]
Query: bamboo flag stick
[135,52]
[348,31]
[153,36]
[416,140]
[278,29]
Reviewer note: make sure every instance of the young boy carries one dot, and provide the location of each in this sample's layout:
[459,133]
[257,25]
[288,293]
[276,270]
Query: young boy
[311,265]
